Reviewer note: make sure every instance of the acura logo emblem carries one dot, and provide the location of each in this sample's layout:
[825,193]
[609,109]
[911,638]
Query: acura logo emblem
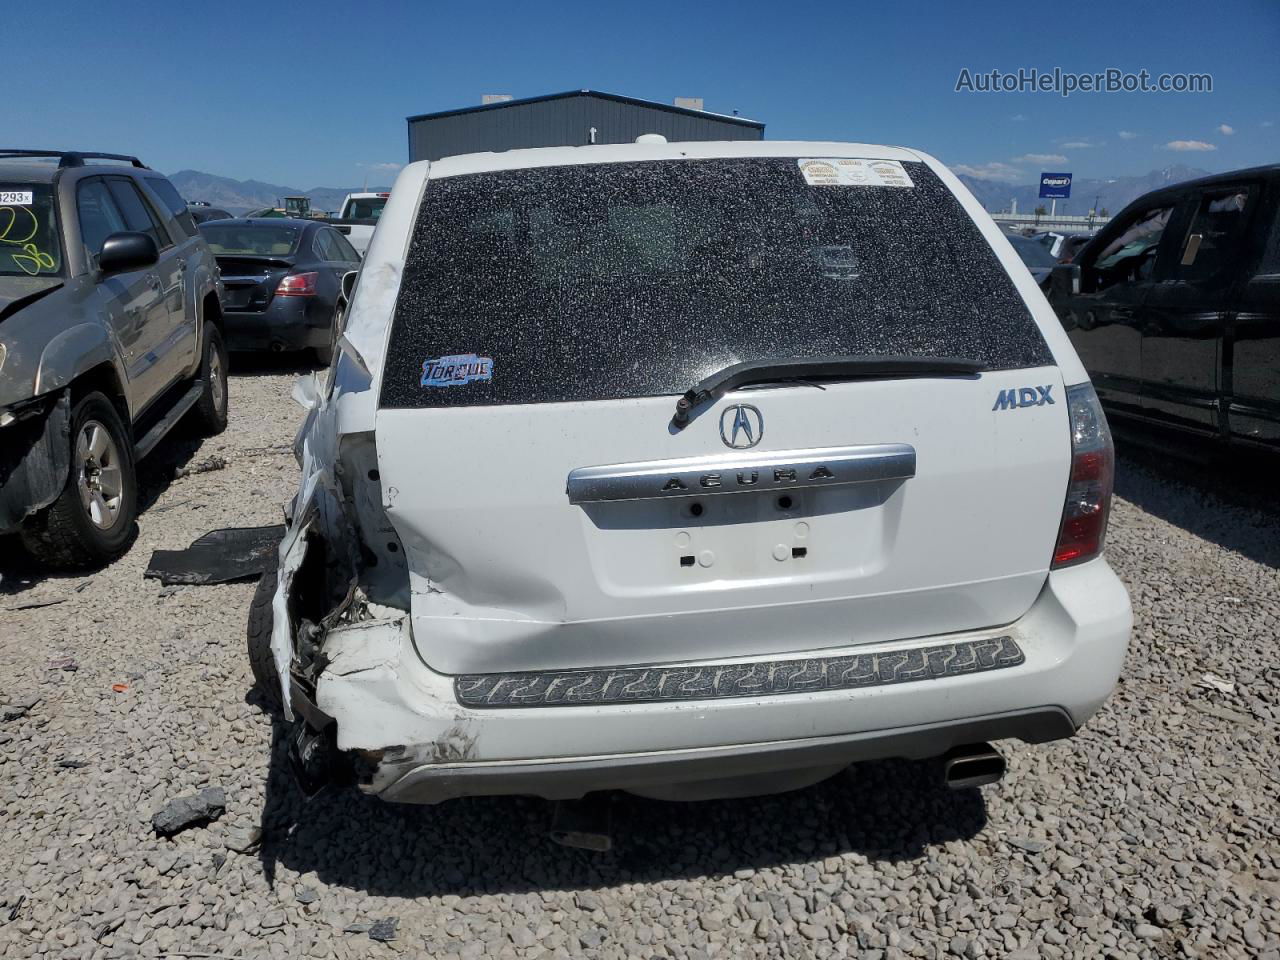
[741,426]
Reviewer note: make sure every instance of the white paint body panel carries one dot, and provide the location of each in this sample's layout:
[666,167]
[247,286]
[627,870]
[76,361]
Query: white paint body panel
[508,575]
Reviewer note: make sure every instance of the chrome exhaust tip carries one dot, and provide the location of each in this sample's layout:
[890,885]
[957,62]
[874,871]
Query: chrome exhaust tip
[972,765]
[583,824]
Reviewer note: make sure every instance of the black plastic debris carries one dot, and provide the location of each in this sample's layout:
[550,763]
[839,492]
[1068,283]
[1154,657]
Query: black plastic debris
[220,556]
[189,811]
[384,930]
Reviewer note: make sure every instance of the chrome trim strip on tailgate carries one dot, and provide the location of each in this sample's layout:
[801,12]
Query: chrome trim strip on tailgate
[740,473]
[609,685]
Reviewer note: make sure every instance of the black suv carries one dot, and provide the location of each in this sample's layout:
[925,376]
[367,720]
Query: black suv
[1174,307]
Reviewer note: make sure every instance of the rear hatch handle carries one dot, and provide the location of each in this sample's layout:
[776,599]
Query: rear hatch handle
[743,473]
[815,368]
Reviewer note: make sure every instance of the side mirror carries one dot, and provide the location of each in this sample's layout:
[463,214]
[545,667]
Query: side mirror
[127,251]
[349,283]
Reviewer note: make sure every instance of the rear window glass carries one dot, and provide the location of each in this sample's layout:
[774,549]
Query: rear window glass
[30,244]
[603,281]
[367,208]
[254,240]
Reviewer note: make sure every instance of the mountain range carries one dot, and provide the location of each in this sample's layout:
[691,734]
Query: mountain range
[1112,195]
[240,196]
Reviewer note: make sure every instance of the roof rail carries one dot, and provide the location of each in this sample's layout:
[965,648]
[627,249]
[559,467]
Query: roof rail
[72,158]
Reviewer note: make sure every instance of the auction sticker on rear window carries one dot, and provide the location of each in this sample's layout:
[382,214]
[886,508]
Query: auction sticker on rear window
[456,370]
[852,172]
[15,198]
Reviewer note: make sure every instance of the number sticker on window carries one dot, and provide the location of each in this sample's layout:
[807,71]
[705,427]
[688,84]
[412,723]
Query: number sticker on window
[15,198]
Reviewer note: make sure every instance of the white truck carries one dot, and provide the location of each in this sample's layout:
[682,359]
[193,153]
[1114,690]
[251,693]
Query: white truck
[358,216]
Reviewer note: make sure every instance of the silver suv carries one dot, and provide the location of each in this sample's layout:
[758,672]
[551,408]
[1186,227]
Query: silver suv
[109,335]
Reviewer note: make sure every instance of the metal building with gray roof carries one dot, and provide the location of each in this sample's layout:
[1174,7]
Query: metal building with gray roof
[573,118]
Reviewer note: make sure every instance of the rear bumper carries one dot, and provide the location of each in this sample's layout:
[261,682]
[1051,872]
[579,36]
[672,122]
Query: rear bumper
[288,323]
[425,745]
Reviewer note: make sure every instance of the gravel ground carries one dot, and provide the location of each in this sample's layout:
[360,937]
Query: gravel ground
[1151,834]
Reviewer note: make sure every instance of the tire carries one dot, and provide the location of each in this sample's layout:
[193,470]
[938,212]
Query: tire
[210,412]
[92,521]
[261,660]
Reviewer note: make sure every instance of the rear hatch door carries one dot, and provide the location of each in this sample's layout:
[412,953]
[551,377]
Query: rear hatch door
[553,514]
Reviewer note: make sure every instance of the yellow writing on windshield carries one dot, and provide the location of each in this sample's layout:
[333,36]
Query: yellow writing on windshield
[14,230]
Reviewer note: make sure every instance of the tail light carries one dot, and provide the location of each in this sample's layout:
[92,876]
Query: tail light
[298,285]
[1093,465]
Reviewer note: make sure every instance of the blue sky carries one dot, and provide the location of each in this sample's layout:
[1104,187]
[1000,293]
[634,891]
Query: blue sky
[315,94]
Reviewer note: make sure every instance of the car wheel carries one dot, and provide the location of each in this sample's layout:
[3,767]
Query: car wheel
[261,660]
[92,521]
[210,411]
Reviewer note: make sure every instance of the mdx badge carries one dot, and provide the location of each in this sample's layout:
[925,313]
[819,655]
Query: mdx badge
[741,426]
[1023,397]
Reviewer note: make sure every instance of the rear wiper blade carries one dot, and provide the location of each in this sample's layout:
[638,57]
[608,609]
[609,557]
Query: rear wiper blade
[838,367]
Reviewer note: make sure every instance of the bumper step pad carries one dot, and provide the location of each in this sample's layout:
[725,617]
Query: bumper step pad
[610,685]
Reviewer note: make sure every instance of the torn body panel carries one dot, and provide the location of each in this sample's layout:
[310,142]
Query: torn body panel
[35,454]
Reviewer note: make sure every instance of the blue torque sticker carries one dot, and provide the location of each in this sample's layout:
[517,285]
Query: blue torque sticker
[456,370]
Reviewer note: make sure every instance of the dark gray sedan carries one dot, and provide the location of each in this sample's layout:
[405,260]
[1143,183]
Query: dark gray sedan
[282,279]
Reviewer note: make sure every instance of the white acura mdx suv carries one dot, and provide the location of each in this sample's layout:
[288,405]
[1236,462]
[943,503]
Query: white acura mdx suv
[691,470]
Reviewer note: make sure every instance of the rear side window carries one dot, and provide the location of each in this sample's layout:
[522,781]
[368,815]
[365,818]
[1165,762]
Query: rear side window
[328,248]
[137,214]
[604,281]
[346,251]
[173,201]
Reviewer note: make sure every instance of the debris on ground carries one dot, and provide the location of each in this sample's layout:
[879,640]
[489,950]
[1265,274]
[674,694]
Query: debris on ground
[220,556]
[64,663]
[72,764]
[18,707]
[119,687]
[207,465]
[37,604]
[192,810]
[306,895]
[384,930]
[1211,681]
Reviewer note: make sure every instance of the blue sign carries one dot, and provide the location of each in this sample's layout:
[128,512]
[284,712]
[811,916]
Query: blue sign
[1055,186]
